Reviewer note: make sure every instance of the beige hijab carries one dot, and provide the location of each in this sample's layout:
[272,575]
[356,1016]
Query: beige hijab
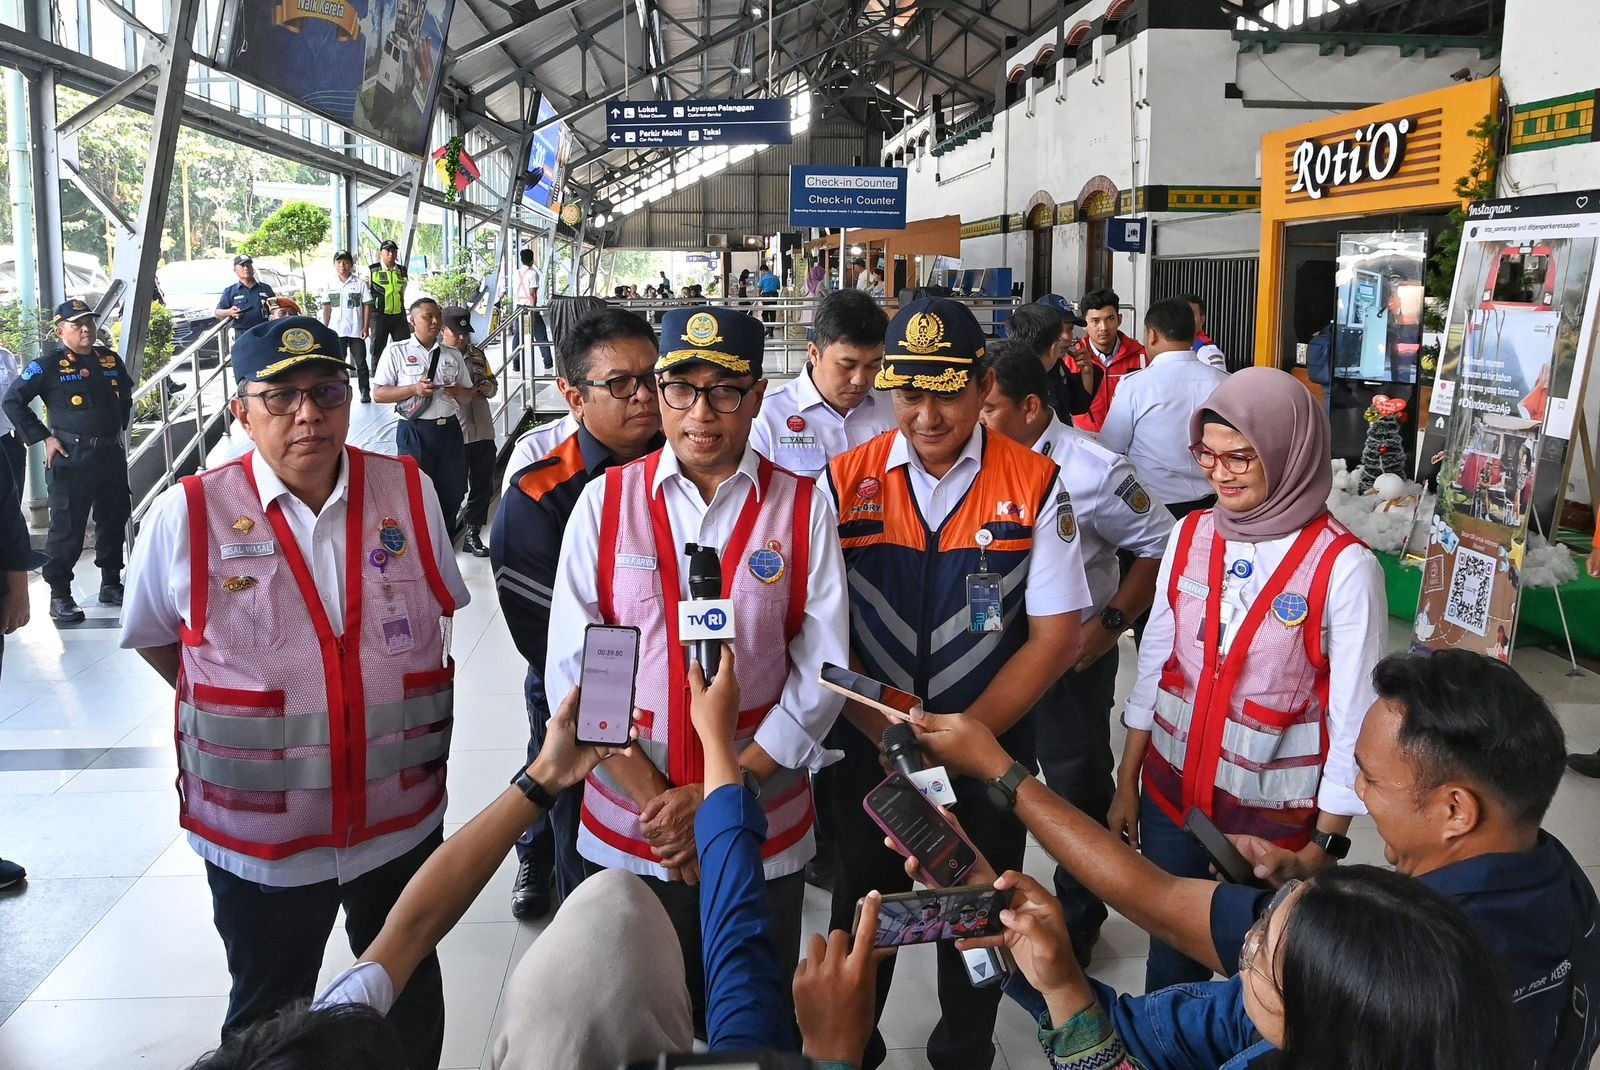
[603,985]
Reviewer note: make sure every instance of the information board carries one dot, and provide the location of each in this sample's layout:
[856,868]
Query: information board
[674,124]
[872,197]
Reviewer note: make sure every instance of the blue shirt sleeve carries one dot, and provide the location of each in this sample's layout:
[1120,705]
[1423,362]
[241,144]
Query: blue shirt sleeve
[745,1006]
[1185,1027]
[1234,908]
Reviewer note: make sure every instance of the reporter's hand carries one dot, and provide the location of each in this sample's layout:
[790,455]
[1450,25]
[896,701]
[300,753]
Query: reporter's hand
[715,709]
[1272,863]
[562,762]
[962,744]
[1123,817]
[980,873]
[834,990]
[1036,935]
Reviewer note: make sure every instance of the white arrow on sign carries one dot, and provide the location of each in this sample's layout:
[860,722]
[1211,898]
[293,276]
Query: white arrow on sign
[616,137]
[615,112]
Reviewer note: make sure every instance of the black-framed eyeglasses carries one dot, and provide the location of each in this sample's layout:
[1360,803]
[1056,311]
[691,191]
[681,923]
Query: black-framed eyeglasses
[286,400]
[723,397]
[623,387]
[1256,938]
[1237,463]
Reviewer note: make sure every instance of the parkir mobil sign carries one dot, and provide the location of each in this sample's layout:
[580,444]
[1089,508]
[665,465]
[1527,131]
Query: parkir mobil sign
[873,197]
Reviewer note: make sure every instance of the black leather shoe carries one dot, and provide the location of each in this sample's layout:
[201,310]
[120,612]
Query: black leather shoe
[11,873]
[530,896]
[366,397]
[111,594]
[1585,764]
[473,543]
[819,873]
[63,610]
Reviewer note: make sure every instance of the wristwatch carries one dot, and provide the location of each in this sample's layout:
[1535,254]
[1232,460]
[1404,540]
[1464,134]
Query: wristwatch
[1114,620]
[751,783]
[1003,789]
[1335,845]
[534,790]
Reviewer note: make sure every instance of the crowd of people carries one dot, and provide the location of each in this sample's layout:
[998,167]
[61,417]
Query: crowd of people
[976,522]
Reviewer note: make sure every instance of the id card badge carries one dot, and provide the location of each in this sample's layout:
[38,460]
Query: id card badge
[396,625]
[984,607]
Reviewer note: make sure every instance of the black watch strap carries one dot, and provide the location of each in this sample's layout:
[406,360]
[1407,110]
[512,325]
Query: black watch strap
[1003,789]
[1335,845]
[534,790]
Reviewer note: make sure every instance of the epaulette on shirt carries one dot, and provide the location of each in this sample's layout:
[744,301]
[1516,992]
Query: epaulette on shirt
[550,471]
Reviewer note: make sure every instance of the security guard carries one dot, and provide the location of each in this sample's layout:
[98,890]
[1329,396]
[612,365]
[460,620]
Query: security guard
[388,280]
[430,381]
[88,396]
[247,302]
[1110,511]
[966,588]
[477,428]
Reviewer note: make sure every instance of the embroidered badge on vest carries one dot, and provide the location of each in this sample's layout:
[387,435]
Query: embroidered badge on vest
[391,538]
[1133,495]
[767,564]
[1066,522]
[235,584]
[1291,609]
[243,525]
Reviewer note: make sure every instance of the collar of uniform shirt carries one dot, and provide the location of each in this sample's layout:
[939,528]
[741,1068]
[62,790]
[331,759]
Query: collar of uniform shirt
[597,456]
[1055,435]
[748,467]
[1173,356]
[809,397]
[271,488]
[901,453]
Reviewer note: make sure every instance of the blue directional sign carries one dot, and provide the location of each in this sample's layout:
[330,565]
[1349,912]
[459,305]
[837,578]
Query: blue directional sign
[1128,234]
[848,197]
[676,124]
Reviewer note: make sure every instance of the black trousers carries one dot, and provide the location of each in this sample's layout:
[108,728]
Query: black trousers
[274,939]
[554,837]
[480,482]
[443,458]
[354,351]
[964,1037]
[93,481]
[1073,722]
[386,329]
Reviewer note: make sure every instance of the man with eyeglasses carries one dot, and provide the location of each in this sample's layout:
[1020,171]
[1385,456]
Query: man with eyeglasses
[624,562]
[88,396]
[297,600]
[607,375]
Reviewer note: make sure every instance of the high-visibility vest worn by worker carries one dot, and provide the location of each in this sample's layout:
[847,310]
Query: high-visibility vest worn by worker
[1244,736]
[291,737]
[389,290]
[764,570]
[908,582]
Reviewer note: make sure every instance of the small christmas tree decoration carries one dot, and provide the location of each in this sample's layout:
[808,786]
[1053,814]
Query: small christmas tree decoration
[1383,452]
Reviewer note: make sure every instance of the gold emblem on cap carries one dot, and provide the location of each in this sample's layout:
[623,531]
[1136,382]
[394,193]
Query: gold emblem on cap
[235,584]
[701,330]
[297,340]
[925,334]
[243,525]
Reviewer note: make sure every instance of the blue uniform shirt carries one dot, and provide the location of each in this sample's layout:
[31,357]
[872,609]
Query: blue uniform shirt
[251,301]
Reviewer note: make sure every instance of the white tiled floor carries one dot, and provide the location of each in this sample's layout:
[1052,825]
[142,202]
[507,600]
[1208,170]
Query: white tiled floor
[108,958]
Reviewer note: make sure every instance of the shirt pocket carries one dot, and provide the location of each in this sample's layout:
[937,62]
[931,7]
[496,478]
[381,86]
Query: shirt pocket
[241,607]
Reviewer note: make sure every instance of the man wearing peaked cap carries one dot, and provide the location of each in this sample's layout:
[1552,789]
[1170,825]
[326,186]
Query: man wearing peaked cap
[966,585]
[624,561]
[88,397]
[304,584]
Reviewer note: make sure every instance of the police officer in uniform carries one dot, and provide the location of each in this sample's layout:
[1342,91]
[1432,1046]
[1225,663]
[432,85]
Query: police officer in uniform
[88,396]
[245,302]
[388,280]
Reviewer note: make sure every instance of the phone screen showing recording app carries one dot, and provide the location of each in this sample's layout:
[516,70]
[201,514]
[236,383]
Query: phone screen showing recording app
[605,704]
[918,826]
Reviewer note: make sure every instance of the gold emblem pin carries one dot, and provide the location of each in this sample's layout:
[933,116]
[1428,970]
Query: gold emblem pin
[243,525]
[235,584]
[925,334]
[77,399]
[701,330]
[297,340]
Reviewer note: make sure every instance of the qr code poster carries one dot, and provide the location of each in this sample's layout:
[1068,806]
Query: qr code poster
[1471,585]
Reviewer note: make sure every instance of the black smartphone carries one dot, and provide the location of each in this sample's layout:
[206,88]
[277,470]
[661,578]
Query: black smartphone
[920,829]
[1231,865]
[606,680]
[931,915]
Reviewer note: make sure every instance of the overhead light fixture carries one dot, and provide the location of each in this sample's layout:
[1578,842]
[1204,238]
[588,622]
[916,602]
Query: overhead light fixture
[755,9]
[746,70]
[855,250]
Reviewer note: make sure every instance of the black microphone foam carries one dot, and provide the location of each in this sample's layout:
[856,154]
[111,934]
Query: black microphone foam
[705,582]
[900,746]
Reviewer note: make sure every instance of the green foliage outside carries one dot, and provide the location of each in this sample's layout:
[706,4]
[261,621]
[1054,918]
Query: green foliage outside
[160,343]
[26,332]
[1478,184]
[456,285]
[295,229]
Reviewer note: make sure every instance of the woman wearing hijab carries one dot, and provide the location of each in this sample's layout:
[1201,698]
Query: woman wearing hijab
[1255,671]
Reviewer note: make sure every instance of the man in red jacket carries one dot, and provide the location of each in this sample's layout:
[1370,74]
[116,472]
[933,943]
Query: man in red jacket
[1114,353]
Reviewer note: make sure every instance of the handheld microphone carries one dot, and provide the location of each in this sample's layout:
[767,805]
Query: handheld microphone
[900,746]
[705,583]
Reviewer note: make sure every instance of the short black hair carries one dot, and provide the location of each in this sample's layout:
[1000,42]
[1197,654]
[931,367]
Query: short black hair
[299,1037]
[1035,328]
[343,254]
[1094,299]
[575,350]
[526,256]
[1472,717]
[1193,299]
[1017,372]
[849,316]
[1172,319]
[419,302]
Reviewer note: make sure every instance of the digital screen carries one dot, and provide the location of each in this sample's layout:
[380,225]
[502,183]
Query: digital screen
[1380,301]
[605,701]
[928,917]
[547,159]
[921,830]
[868,688]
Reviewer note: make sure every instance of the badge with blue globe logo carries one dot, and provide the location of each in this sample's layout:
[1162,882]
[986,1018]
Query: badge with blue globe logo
[767,564]
[1291,609]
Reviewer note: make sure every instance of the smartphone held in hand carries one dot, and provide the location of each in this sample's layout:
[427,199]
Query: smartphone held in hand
[920,830]
[932,915]
[606,683]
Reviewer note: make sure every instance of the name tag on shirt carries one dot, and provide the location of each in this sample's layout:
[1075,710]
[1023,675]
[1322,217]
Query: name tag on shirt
[1194,588]
[639,561]
[232,550]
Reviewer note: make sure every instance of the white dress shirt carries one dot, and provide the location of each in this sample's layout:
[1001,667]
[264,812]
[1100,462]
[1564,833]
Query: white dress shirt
[1056,580]
[536,444]
[793,730]
[406,362]
[156,607]
[824,433]
[1106,495]
[348,299]
[1149,423]
[1354,627]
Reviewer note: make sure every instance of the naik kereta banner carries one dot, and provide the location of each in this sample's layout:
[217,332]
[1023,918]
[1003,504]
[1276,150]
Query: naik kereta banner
[372,66]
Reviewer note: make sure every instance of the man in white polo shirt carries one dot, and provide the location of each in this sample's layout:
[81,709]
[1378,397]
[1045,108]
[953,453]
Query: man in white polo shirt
[347,308]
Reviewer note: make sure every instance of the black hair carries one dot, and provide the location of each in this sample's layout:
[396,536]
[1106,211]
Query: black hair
[575,350]
[1099,299]
[1018,373]
[526,256]
[419,302]
[1172,318]
[1378,971]
[1035,328]
[1193,299]
[343,254]
[849,316]
[1212,416]
[858,262]
[1472,717]
[349,1036]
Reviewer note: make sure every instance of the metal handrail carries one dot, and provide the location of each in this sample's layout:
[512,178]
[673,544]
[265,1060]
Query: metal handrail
[186,409]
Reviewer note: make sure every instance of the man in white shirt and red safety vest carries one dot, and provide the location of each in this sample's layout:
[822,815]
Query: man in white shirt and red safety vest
[298,599]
